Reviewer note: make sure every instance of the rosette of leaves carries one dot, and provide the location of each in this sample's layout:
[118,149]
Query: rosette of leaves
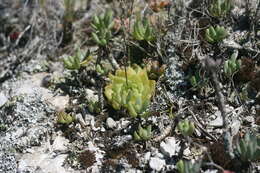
[195,80]
[102,26]
[188,167]
[143,134]
[215,35]
[220,8]
[64,118]
[77,61]
[248,149]
[131,90]
[232,65]
[186,127]
[94,107]
[143,30]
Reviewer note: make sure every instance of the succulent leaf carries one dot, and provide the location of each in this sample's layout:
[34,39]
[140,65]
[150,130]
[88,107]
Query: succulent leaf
[248,149]
[186,127]
[132,93]
[102,26]
[143,134]
[215,35]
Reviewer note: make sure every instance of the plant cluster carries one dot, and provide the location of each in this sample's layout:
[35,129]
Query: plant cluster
[220,8]
[143,30]
[69,10]
[94,107]
[143,134]
[232,65]
[188,167]
[248,149]
[130,89]
[196,80]
[78,60]
[186,127]
[102,26]
[215,35]
[64,118]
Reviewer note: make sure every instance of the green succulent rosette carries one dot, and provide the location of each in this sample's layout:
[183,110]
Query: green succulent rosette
[131,90]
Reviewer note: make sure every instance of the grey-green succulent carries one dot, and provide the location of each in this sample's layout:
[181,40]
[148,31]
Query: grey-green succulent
[188,167]
[220,8]
[215,35]
[186,127]
[78,60]
[143,134]
[248,149]
[143,30]
[102,26]
[94,107]
[232,65]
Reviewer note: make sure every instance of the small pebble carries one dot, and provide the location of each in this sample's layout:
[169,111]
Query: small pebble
[110,123]
[156,163]
[3,99]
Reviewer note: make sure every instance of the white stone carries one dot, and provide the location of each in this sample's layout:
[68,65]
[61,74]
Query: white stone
[235,126]
[170,147]
[3,99]
[110,123]
[147,156]
[91,96]
[218,121]
[41,160]
[157,163]
[59,102]
[60,144]
[89,119]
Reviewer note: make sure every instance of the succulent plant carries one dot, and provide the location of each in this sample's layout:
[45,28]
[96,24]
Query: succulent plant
[248,149]
[195,80]
[69,10]
[186,127]
[215,35]
[188,167]
[131,90]
[232,65]
[143,30]
[143,134]
[94,107]
[220,8]
[76,61]
[102,26]
[64,118]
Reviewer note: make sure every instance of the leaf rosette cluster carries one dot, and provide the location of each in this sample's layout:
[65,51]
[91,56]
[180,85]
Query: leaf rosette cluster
[131,90]
[143,134]
[215,35]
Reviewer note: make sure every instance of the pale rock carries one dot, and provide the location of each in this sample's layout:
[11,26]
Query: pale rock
[89,120]
[110,123]
[218,121]
[235,126]
[249,119]
[3,99]
[187,152]
[59,102]
[170,147]
[156,163]
[60,143]
[91,96]
[147,156]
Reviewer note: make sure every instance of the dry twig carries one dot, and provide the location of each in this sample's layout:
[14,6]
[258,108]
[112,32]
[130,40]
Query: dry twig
[211,66]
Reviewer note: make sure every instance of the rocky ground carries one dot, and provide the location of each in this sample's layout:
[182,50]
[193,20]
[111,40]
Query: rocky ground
[37,90]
